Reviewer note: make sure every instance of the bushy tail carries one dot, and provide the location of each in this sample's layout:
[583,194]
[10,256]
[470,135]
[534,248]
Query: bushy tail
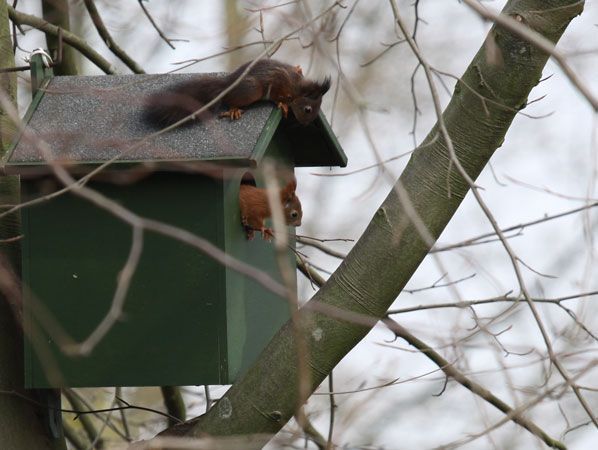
[167,107]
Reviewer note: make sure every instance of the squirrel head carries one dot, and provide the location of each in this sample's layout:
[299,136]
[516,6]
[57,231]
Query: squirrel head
[307,106]
[291,204]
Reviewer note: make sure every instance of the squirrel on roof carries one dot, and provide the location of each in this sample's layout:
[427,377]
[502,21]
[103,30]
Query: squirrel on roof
[267,79]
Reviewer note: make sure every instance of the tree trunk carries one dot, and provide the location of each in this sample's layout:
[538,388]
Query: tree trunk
[175,405]
[57,13]
[236,26]
[24,423]
[391,249]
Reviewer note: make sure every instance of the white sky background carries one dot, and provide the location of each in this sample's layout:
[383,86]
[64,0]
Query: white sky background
[558,152]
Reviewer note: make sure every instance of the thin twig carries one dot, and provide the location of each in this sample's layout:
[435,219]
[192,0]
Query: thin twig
[110,43]
[329,444]
[437,284]
[123,415]
[471,385]
[127,405]
[363,169]
[88,426]
[452,372]
[520,227]
[504,298]
[155,25]
[552,392]
[88,407]
[474,189]
[321,247]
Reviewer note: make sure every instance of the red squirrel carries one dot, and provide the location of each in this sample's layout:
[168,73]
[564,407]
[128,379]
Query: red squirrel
[268,79]
[255,208]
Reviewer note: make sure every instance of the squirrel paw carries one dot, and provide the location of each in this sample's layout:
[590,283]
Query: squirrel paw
[299,70]
[267,234]
[284,108]
[249,233]
[233,113]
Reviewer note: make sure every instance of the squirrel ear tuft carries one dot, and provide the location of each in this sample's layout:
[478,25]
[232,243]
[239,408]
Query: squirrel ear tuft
[289,190]
[316,89]
[325,85]
[291,185]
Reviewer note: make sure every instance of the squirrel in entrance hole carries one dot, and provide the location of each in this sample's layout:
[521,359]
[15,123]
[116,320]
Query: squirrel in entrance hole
[268,79]
[255,208]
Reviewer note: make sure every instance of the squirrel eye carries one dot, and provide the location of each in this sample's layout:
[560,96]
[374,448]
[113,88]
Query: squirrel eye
[307,109]
[294,214]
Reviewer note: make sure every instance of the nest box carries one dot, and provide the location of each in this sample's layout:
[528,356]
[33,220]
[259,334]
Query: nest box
[187,319]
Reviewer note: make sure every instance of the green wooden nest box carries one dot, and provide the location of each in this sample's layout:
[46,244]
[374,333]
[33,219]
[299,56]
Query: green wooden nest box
[187,319]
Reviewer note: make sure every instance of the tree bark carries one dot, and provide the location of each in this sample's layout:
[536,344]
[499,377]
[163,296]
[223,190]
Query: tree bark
[22,419]
[57,13]
[391,249]
[175,405]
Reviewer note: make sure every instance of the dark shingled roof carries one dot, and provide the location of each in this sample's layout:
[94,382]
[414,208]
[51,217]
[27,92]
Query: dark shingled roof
[91,119]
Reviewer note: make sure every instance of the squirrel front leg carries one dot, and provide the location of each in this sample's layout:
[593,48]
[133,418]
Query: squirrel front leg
[249,231]
[283,104]
[284,108]
[267,234]
[253,224]
[247,92]
[233,113]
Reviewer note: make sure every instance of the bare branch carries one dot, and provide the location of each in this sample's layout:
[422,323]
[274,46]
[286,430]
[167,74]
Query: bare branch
[504,298]
[155,25]
[105,35]
[321,247]
[449,369]
[88,426]
[474,189]
[73,40]
[519,228]
[471,385]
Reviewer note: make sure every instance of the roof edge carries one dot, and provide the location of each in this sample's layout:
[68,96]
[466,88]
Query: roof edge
[35,101]
[333,141]
[266,135]
[133,168]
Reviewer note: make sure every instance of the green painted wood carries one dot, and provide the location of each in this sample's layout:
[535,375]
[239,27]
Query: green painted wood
[254,314]
[40,77]
[263,142]
[331,140]
[314,145]
[187,319]
[174,329]
[235,283]
[37,95]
